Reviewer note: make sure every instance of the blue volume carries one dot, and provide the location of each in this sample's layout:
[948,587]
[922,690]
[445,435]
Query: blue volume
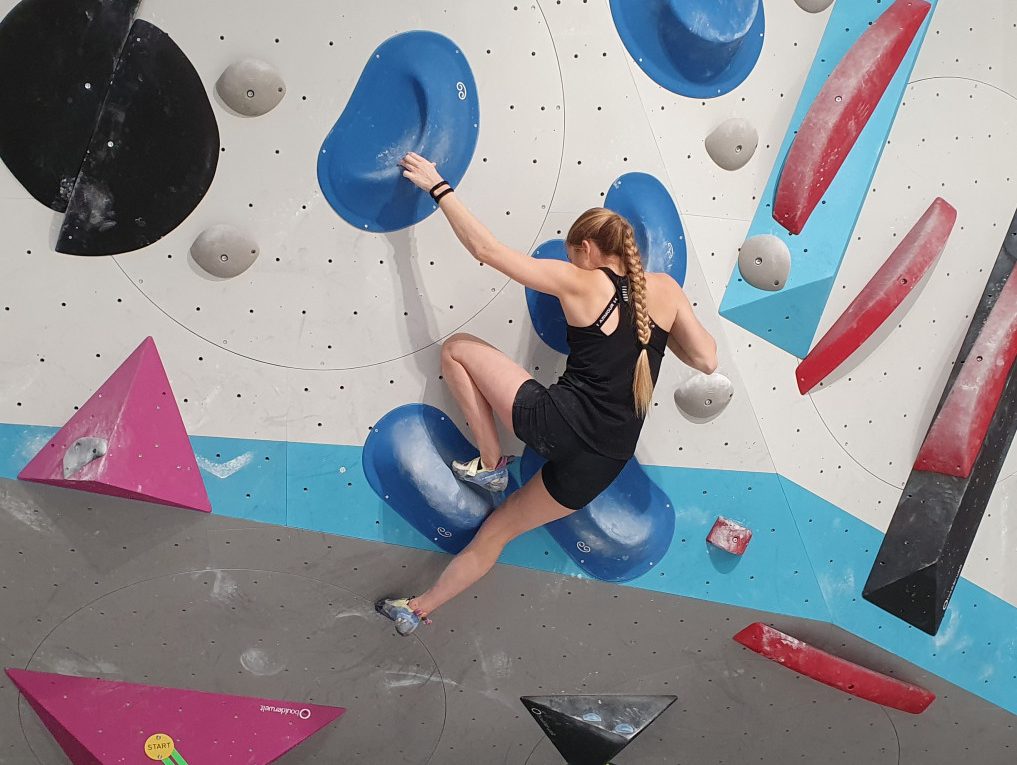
[545,310]
[417,93]
[621,534]
[406,462]
[645,203]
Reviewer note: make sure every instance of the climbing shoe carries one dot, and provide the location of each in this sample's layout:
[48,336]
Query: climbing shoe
[493,479]
[398,610]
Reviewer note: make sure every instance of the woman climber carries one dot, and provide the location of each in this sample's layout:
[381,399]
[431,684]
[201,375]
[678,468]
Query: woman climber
[586,425]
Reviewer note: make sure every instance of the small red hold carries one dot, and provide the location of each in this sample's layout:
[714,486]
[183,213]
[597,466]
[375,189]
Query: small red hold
[729,536]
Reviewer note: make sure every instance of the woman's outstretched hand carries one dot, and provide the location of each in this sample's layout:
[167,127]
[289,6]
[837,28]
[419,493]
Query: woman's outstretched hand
[423,173]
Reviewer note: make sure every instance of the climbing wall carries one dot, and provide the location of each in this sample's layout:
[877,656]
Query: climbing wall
[298,292]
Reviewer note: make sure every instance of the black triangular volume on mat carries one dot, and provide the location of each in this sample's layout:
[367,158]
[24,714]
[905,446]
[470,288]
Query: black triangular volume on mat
[57,58]
[591,730]
[152,156]
[934,525]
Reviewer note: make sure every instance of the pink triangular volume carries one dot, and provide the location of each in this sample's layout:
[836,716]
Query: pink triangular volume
[148,455]
[101,722]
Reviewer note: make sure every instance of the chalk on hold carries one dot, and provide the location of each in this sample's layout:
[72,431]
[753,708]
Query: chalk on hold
[729,536]
[224,251]
[695,48]
[933,528]
[814,6]
[621,534]
[646,203]
[406,461]
[591,730]
[82,452]
[416,93]
[765,262]
[831,670]
[732,144]
[251,87]
[134,422]
[704,396]
[153,152]
[841,110]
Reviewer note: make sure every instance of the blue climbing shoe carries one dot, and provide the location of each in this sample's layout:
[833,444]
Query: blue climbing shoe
[398,610]
[493,479]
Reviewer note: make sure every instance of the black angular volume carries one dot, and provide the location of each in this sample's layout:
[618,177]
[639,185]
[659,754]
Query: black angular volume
[934,525]
[590,730]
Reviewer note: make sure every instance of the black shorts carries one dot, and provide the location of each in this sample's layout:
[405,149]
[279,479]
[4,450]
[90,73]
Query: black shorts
[574,474]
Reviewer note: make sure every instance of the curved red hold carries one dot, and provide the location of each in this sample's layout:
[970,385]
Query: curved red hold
[842,109]
[881,296]
[831,670]
[955,438]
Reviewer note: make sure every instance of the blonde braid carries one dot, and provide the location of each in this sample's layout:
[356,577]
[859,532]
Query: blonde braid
[642,381]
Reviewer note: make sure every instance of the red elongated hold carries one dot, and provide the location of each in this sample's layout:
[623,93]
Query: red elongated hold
[834,671]
[842,109]
[881,296]
[957,433]
[729,536]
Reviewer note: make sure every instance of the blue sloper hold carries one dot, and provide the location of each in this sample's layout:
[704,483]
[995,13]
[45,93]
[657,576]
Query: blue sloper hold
[645,203]
[545,310]
[416,93]
[621,534]
[406,461]
[695,48]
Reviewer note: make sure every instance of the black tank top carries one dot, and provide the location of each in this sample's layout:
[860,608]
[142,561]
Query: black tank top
[594,395]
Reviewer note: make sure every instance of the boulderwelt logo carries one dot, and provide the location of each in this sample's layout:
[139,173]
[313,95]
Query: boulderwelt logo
[303,714]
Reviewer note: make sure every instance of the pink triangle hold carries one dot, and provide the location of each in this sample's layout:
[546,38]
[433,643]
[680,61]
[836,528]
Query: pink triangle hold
[102,722]
[128,440]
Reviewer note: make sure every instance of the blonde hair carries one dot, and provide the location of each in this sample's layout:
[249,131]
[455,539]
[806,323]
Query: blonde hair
[614,236]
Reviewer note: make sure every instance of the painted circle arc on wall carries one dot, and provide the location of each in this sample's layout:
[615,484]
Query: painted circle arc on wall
[257,625]
[325,294]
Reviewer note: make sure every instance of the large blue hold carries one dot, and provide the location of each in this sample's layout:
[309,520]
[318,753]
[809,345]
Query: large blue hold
[621,534]
[406,461]
[696,48]
[545,310]
[416,93]
[645,203]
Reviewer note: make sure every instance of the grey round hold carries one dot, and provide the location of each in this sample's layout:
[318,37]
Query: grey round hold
[251,87]
[224,251]
[732,144]
[703,396]
[814,6]
[765,262]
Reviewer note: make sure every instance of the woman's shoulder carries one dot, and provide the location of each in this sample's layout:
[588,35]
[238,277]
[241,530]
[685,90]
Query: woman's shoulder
[663,283]
[663,298]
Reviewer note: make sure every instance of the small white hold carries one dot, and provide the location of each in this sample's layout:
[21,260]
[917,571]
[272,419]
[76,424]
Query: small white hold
[732,144]
[814,6]
[765,262]
[703,397]
[224,251]
[251,87]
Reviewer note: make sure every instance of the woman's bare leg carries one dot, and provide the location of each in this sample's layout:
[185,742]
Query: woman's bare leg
[527,509]
[484,382]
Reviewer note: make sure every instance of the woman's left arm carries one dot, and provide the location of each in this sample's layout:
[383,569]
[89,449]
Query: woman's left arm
[552,277]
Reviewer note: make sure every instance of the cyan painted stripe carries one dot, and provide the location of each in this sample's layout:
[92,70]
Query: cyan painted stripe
[323,488]
[789,318]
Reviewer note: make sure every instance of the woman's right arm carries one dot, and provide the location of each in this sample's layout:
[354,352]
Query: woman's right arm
[689,340]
